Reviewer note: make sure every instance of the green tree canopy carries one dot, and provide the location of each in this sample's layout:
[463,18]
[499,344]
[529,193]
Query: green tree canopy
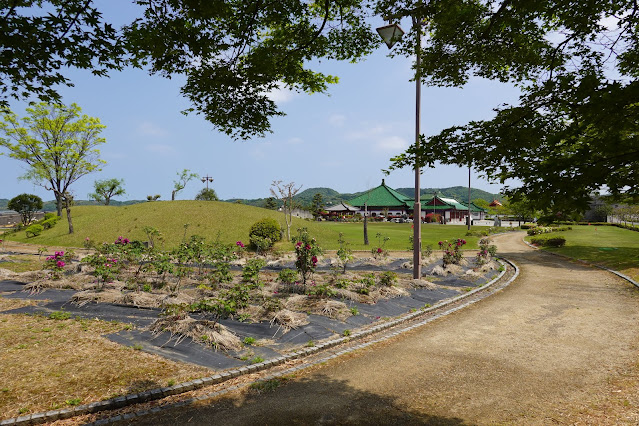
[231,53]
[575,127]
[107,189]
[58,145]
[26,205]
[180,183]
[270,203]
[317,204]
[207,194]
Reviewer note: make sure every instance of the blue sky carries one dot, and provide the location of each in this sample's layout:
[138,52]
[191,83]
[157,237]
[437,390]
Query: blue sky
[341,140]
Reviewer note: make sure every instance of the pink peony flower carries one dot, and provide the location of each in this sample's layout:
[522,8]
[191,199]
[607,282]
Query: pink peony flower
[60,264]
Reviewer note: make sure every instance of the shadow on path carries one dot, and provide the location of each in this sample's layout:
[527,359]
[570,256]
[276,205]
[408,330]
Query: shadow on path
[317,400]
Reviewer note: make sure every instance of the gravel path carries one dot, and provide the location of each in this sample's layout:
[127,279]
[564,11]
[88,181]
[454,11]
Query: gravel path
[559,345]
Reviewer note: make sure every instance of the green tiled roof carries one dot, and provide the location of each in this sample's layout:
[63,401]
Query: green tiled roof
[474,208]
[447,204]
[382,196]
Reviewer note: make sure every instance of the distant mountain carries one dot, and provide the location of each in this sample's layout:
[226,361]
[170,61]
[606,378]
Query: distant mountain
[49,206]
[459,193]
[304,198]
[330,196]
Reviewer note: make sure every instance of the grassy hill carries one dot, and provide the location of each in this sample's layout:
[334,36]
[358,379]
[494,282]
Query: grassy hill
[206,218]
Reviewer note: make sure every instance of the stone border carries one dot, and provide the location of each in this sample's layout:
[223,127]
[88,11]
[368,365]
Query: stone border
[159,393]
[619,274]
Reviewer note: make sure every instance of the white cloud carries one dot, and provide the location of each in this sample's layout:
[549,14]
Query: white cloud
[295,141]
[146,128]
[260,151]
[337,120]
[161,149]
[386,137]
[391,143]
[281,94]
[368,132]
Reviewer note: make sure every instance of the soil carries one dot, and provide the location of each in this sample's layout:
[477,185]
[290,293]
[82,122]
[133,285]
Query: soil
[559,345]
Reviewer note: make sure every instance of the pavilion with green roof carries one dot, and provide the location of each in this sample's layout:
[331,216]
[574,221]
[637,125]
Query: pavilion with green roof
[384,200]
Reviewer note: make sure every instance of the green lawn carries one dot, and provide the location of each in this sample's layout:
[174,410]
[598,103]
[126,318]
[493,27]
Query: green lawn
[608,246]
[398,234]
[230,221]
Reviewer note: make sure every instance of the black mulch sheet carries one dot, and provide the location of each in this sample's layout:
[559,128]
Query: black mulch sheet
[187,350]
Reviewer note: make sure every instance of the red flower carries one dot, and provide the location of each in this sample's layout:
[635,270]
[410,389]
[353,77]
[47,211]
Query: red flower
[379,250]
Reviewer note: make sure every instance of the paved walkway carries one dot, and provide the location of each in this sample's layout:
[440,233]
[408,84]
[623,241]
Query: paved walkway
[548,349]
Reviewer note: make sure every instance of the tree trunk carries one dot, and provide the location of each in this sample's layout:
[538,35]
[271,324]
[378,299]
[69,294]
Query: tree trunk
[172,195]
[288,218]
[68,208]
[58,203]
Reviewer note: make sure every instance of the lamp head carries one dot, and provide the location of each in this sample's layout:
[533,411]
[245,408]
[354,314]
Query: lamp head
[391,34]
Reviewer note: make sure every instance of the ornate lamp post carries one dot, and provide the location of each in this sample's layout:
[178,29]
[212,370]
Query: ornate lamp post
[391,34]
[207,179]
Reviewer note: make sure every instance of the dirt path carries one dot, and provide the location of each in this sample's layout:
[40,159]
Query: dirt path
[560,345]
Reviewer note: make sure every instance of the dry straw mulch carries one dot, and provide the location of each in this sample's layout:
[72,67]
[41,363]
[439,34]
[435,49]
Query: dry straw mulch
[206,332]
[47,364]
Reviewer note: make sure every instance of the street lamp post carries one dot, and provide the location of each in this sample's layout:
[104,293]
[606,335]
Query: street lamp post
[391,34]
[207,179]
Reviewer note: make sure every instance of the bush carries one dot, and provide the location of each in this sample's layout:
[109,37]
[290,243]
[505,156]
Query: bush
[557,241]
[49,223]
[34,230]
[265,229]
[287,276]
[51,215]
[388,278]
[547,241]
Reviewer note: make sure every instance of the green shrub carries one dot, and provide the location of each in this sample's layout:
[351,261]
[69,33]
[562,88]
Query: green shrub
[321,290]
[260,244]
[548,241]
[388,278]
[342,283]
[49,223]
[34,230]
[51,215]
[557,241]
[266,228]
[287,276]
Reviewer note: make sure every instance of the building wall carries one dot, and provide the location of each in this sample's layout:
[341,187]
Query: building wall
[10,219]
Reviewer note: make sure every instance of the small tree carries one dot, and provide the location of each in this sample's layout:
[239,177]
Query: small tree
[57,144]
[26,205]
[286,192]
[206,194]
[153,197]
[107,189]
[183,178]
[306,252]
[270,203]
[317,204]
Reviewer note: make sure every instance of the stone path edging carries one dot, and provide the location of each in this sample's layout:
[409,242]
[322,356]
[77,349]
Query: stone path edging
[154,394]
[617,273]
